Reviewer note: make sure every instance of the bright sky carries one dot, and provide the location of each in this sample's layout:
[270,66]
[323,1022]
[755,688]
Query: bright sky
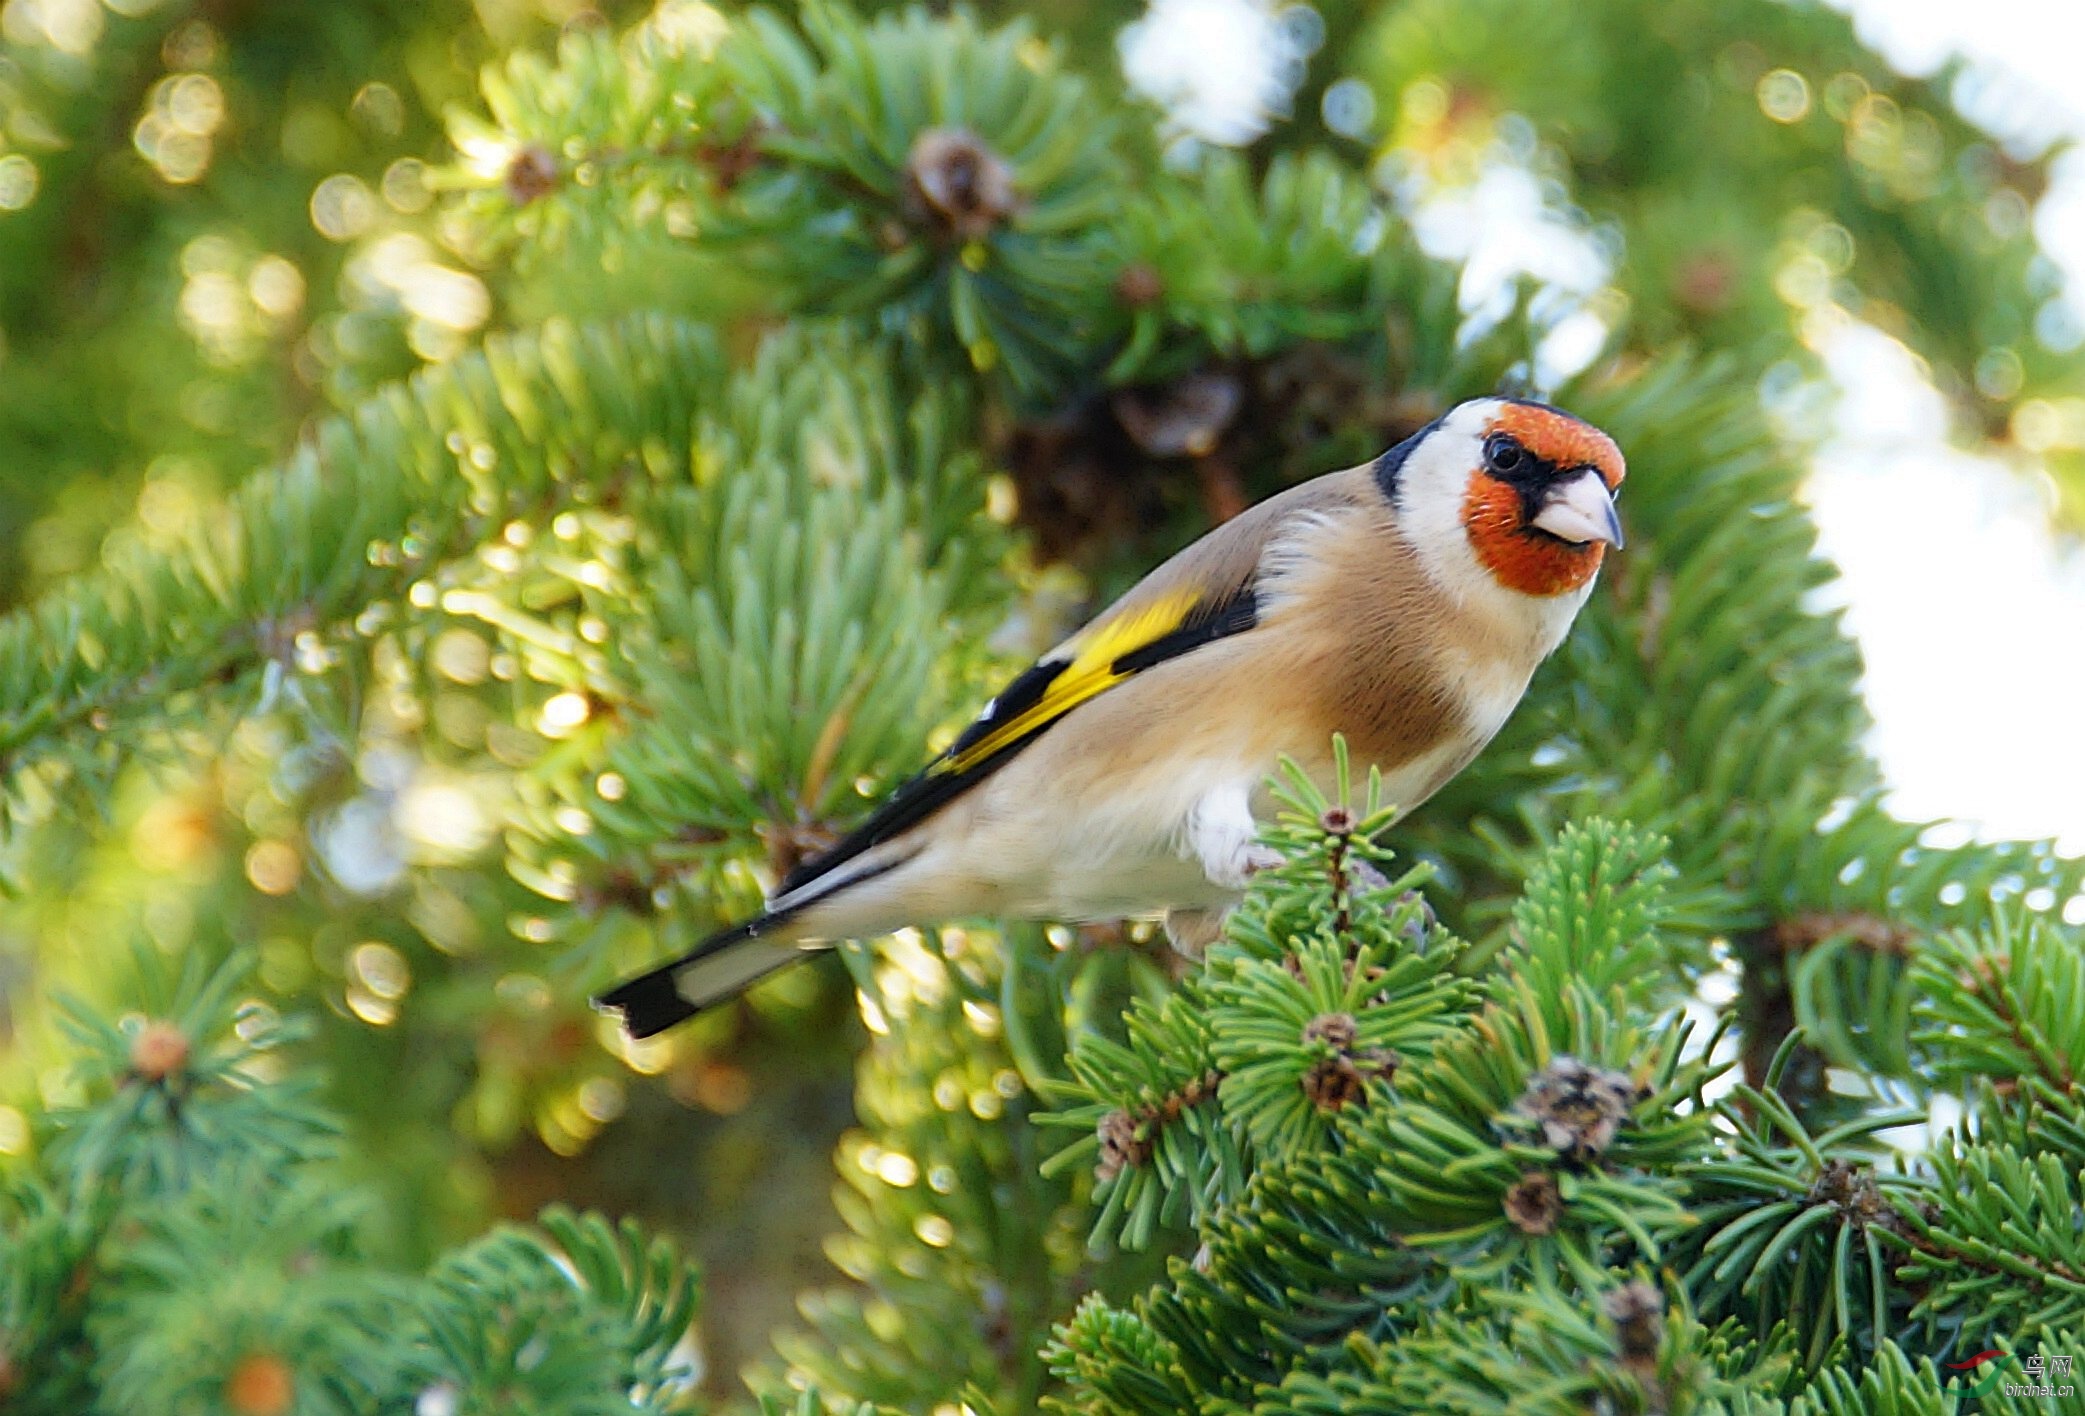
[1971,616]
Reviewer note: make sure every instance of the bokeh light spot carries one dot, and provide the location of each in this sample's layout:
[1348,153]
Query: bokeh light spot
[19,181]
[14,1131]
[274,867]
[342,207]
[1784,95]
[277,287]
[562,714]
[896,1169]
[381,969]
[601,1099]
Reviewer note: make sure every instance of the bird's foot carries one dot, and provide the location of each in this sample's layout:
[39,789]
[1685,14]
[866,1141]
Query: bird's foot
[1244,862]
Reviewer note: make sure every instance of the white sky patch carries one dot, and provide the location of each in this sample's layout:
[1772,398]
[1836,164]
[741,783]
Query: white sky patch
[1970,616]
[1500,227]
[1222,69]
[2028,51]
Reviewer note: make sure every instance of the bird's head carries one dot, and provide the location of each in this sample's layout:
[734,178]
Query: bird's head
[1516,492]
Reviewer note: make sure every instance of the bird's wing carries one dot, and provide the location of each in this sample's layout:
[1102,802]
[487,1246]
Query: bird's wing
[1207,592]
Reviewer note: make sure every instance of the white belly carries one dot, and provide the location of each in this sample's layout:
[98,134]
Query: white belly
[1141,848]
[1130,853]
[1133,853]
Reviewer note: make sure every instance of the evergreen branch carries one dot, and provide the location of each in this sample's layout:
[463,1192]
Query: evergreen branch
[1289,1024]
[1840,978]
[1998,1236]
[1240,270]
[778,663]
[949,1219]
[843,162]
[371,505]
[1546,1353]
[580,1317]
[227,1288]
[1588,917]
[47,1246]
[1493,1153]
[640,1277]
[2004,1002]
[1158,1150]
[1796,1222]
[1129,1137]
[171,1097]
[2031,1116]
[1889,1386]
[1117,1364]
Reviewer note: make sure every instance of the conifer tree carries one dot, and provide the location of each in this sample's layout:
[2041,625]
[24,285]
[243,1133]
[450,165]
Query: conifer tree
[699,430]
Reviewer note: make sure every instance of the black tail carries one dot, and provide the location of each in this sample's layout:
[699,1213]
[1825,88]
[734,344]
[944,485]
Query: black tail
[721,966]
[728,962]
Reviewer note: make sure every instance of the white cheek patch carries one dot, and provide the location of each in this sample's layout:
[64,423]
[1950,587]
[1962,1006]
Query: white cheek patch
[1432,486]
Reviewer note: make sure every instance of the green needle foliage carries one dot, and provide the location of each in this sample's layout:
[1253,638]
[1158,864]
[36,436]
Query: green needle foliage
[549,535]
[191,1243]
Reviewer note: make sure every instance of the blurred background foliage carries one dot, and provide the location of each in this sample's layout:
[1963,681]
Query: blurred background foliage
[450,782]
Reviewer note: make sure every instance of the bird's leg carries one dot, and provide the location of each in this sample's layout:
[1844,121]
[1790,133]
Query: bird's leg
[1222,835]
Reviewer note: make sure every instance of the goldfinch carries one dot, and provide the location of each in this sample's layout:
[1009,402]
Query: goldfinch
[1404,603]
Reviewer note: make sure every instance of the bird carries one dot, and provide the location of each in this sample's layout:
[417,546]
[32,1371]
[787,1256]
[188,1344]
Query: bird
[1403,604]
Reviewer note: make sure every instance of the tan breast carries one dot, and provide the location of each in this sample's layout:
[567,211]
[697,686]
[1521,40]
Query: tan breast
[1417,682]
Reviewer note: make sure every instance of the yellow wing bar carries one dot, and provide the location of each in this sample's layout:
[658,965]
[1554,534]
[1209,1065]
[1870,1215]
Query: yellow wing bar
[1093,669]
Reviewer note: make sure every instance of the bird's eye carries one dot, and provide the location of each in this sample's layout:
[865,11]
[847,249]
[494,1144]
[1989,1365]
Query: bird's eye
[1502,454]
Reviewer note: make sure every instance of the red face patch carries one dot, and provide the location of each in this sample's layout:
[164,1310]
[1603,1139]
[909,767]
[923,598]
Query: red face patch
[1560,439]
[1495,516]
[1533,564]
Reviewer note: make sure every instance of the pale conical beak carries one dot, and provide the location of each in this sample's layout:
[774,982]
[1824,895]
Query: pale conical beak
[1581,510]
